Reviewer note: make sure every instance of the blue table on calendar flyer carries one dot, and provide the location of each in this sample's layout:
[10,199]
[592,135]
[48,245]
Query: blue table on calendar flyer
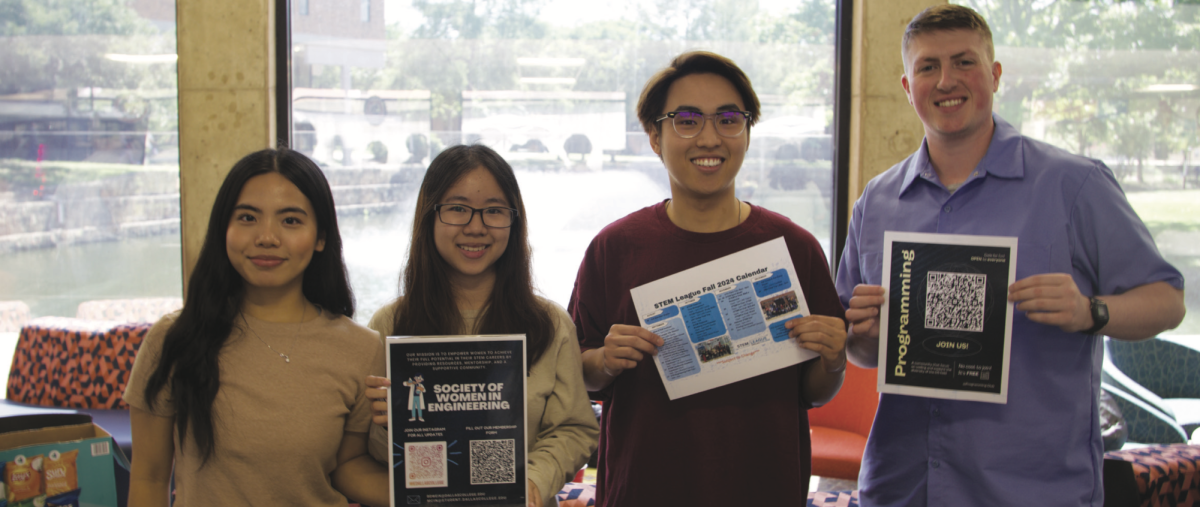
[457,420]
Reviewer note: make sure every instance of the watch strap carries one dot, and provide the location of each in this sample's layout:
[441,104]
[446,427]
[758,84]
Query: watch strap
[1099,316]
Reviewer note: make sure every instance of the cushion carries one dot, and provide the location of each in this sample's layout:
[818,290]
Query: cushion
[833,498]
[1165,474]
[836,453]
[575,494]
[73,363]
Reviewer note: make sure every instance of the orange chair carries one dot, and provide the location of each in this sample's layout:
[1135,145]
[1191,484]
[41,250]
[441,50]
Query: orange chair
[839,428]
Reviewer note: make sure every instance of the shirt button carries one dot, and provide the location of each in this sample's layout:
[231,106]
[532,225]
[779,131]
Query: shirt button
[925,175]
[948,209]
[935,463]
[935,411]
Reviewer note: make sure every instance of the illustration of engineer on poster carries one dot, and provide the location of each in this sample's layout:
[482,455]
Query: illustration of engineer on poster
[947,322]
[457,420]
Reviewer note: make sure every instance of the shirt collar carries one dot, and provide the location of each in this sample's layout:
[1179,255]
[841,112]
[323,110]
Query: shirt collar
[1004,158]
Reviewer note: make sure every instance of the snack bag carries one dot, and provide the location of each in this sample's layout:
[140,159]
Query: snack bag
[62,479]
[23,476]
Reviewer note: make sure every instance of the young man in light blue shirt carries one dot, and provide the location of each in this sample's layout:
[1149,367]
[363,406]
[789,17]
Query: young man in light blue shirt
[1081,250]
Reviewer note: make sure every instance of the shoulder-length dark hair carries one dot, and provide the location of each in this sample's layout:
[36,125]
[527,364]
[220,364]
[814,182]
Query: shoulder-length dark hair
[189,367]
[429,306]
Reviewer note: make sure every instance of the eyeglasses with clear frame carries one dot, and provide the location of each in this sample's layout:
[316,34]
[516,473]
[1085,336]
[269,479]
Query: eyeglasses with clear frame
[495,217]
[688,124]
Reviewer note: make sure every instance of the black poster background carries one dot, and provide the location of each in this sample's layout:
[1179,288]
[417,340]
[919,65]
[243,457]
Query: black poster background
[460,427]
[945,359]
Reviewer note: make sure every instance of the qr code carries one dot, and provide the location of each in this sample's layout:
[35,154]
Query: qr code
[954,301]
[493,462]
[425,465]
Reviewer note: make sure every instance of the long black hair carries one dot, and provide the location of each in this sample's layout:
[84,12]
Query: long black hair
[428,306]
[189,367]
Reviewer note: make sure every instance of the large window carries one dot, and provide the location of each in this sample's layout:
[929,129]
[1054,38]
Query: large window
[1117,81]
[552,85]
[89,176]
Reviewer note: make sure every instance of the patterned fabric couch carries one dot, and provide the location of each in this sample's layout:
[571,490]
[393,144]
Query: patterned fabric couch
[77,364]
[1164,475]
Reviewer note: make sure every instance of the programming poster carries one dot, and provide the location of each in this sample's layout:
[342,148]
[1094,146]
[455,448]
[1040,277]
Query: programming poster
[947,322]
[456,410]
[723,321]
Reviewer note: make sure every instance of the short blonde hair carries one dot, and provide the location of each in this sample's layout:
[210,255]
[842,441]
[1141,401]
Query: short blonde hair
[948,17]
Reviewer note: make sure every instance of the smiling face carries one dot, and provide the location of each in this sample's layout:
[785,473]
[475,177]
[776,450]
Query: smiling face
[949,80]
[272,234]
[472,250]
[702,167]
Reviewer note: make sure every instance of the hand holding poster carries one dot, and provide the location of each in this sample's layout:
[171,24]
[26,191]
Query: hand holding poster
[457,420]
[724,320]
[946,323]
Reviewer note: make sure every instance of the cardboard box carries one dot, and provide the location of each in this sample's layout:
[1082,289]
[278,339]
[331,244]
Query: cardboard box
[99,466]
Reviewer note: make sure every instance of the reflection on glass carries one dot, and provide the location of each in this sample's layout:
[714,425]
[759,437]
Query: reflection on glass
[552,85]
[89,177]
[1116,81]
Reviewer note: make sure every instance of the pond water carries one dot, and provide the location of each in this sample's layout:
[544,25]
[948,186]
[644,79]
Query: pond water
[565,211]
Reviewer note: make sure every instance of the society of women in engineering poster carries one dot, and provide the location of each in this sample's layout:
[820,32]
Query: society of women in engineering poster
[457,420]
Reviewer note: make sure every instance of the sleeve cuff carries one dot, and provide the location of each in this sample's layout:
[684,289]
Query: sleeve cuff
[377,443]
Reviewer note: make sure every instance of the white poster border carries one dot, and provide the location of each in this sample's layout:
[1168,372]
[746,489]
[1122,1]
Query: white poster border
[409,339]
[891,237]
[773,256]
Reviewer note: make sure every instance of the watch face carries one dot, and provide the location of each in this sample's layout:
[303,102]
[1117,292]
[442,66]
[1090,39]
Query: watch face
[1099,315]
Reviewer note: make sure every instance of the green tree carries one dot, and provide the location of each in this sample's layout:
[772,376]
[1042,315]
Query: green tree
[812,23]
[1089,69]
[480,19]
[60,44]
[460,45]
[464,45]
[59,50]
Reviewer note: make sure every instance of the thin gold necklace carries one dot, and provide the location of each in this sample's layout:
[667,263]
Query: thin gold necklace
[286,358]
[739,206]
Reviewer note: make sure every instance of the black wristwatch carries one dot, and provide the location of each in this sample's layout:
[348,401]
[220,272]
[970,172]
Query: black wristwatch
[1099,316]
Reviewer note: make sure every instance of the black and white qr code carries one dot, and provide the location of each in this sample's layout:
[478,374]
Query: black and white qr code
[954,301]
[493,461]
[425,465]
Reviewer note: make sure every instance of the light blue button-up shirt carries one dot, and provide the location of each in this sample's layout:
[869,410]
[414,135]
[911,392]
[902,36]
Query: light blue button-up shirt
[1043,447]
